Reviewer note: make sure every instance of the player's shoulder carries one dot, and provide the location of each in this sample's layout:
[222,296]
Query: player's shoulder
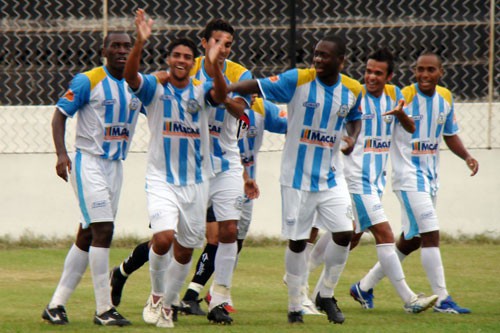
[353,85]
[445,93]
[198,61]
[391,90]
[305,75]
[409,93]
[95,75]
[234,71]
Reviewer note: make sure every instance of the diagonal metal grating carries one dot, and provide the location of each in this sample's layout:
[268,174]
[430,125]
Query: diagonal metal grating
[44,43]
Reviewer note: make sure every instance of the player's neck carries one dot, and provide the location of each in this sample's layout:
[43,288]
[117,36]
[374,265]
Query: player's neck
[117,74]
[179,83]
[329,79]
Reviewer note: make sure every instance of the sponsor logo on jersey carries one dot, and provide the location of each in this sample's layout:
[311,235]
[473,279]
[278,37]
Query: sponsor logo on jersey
[424,148]
[99,204]
[167,97]
[116,133]
[376,145]
[214,130]
[274,78]
[418,117]
[179,129]
[317,138]
[69,95]
[107,102]
[368,116]
[312,105]
[343,110]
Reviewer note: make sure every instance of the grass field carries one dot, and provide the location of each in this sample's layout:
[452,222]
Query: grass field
[28,278]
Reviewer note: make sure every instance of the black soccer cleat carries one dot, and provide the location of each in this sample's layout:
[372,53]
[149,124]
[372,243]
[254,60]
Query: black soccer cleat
[330,307]
[220,315]
[295,317]
[55,316]
[117,282]
[111,318]
[189,307]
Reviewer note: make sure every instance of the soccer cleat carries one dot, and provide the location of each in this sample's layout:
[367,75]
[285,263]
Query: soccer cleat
[449,306]
[166,318]
[208,298]
[192,308]
[175,313]
[152,311]
[420,303]
[219,315]
[56,316]
[295,317]
[117,282]
[365,298]
[330,307]
[229,308]
[111,318]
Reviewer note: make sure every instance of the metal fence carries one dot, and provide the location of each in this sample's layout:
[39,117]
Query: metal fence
[45,43]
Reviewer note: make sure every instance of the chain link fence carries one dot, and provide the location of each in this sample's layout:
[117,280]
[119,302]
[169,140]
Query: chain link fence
[45,43]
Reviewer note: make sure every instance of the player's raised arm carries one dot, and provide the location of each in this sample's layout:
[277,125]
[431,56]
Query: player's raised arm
[63,164]
[143,29]
[407,122]
[219,93]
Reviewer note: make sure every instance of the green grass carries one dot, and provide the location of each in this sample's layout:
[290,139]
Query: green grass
[28,278]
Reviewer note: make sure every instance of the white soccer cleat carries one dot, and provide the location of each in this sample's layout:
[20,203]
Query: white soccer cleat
[152,311]
[420,303]
[166,318]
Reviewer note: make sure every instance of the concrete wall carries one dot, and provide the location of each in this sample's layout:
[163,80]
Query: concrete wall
[33,199]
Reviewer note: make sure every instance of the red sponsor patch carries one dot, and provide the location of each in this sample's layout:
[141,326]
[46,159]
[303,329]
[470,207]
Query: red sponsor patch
[274,78]
[69,95]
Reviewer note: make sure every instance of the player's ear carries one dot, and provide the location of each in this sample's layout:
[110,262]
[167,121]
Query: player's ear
[204,43]
[389,77]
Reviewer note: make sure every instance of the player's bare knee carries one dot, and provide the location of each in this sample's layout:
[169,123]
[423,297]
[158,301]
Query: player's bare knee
[162,241]
[228,231]
[342,238]
[297,246]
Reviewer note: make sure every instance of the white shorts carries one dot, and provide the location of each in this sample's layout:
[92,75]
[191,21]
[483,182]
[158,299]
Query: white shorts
[97,183]
[418,213]
[179,208]
[245,220]
[368,211]
[333,208]
[226,195]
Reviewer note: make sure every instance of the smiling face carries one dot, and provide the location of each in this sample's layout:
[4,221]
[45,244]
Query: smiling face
[327,62]
[428,72]
[116,49]
[376,76]
[180,61]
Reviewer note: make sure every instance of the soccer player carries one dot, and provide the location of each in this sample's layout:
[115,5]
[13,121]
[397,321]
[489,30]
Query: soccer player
[364,170]
[415,177]
[321,102]
[178,161]
[107,115]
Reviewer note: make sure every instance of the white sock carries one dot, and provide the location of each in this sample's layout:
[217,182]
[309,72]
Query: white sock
[376,274]
[75,265]
[294,265]
[177,274]
[225,259]
[99,268]
[335,260]
[391,265]
[158,265]
[317,255]
[305,278]
[433,266]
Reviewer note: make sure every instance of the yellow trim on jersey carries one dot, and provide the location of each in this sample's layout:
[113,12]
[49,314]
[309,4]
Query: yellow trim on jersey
[233,71]
[390,90]
[445,93]
[95,76]
[195,81]
[353,85]
[196,67]
[305,76]
[258,106]
[409,92]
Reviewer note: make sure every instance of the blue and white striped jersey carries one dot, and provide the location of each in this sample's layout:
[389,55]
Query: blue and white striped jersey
[264,115]
[415,157]
[316,115]
[223,127]
[364,168]
[107,113]
[179,150]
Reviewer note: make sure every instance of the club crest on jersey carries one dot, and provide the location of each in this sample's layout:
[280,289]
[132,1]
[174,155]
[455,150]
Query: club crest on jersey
[107,102]
[317,138]
[193,106]
[134,104]
[441,118]
[252,132]
[343,110]
[388,119]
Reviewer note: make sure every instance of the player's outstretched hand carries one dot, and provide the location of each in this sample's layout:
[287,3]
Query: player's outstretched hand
[143,25]
[349,147]
[398,110]
[473,165]
[215,49]
[63,166]
[162,76]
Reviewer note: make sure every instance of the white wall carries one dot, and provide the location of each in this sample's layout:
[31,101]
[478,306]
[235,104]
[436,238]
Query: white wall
[34,199]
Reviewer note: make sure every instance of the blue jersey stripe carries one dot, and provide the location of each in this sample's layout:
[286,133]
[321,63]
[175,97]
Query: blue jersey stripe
[311,102]
[344,101]
[178,99]
[363,217]
[220,113]
[108,95]
[378,167]
[167,103]
[299,166]
[198,161]
[168,166]
[428,106]
[183,161]
[378,113]
[118,152]
[123,102]
[368,121]
[413,231]
[416,112]
[366,173]
[217,151]
[316,168]
[327,108]
[79,186]
[439,126]
[420,175]
[388,107]
[106,146]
